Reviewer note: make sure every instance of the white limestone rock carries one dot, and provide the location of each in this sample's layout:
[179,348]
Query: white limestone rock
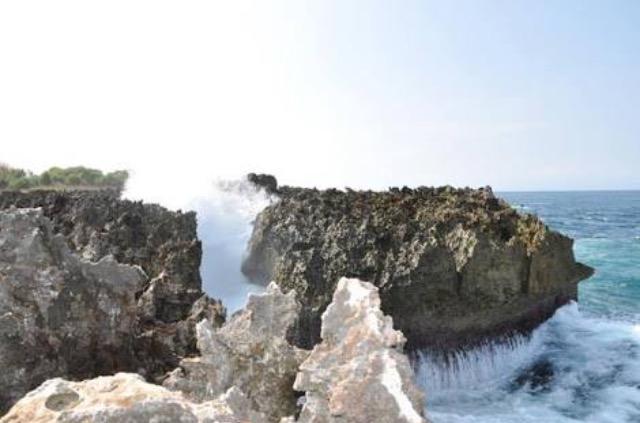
[358,372]
[250,352]
[125,398]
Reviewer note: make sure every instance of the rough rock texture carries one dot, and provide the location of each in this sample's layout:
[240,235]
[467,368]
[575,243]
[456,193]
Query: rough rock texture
[164,244]
[358,372]
[124,398]
[268,182]
[250,352]
[454,266]
[59,315]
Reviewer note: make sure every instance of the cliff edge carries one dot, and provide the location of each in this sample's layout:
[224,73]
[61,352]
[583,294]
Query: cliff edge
[455,267]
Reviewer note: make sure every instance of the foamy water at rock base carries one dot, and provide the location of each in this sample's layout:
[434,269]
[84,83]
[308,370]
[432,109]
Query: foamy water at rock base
[573,368]
[583,365]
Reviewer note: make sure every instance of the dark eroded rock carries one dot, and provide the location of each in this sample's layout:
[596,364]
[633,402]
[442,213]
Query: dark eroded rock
[267,182]
[59,315]
[98,223]
[162,308]
[454,266]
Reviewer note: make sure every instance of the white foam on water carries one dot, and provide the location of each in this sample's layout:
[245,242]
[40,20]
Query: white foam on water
[594,376]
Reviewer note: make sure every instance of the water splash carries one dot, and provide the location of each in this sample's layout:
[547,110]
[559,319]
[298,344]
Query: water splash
[225,221]
[488,364]
[573,368]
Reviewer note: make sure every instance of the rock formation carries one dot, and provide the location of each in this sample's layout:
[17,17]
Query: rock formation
[98,223]
[267,182]
[454,266]
[125,397]
[248,372]
[249,352]
[163,243]
[358,372]
[59,315]
[70,337]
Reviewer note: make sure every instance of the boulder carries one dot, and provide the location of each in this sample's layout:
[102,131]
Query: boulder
[358,372]
[455,267]
[249,352]
[125,397]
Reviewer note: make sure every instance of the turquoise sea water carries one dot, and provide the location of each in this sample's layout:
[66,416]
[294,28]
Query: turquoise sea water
[584,363]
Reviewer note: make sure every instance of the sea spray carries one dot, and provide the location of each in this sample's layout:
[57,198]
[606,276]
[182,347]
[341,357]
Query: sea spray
[225,210]
[492,363]
[225,221]
[590,373]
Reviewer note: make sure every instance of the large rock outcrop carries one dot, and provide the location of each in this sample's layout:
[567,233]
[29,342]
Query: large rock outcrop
[249,352]
[59,315]
[125,398]
[454,266]
[358,372]
[96,224]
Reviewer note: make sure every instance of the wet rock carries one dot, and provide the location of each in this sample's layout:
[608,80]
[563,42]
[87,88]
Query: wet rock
[125,398]
[249,352]
[60,315]
[455,267]
[358,372]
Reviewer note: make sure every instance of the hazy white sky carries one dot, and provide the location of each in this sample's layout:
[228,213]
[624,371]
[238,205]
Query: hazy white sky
[519,95]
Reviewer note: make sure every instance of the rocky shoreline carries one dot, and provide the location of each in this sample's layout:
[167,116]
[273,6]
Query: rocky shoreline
[455,267]
[103,317]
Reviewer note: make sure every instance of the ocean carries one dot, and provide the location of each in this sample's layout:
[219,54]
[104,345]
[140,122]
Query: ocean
[583,365]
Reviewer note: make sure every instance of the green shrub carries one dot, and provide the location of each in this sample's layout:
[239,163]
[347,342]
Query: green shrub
[57,177]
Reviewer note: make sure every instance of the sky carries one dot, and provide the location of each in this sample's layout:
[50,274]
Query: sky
[520,95]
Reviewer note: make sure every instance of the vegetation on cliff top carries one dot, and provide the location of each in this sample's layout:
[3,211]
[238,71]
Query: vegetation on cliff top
[61,178]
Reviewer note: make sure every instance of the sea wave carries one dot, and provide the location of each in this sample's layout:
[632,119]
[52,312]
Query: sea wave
[572,368]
